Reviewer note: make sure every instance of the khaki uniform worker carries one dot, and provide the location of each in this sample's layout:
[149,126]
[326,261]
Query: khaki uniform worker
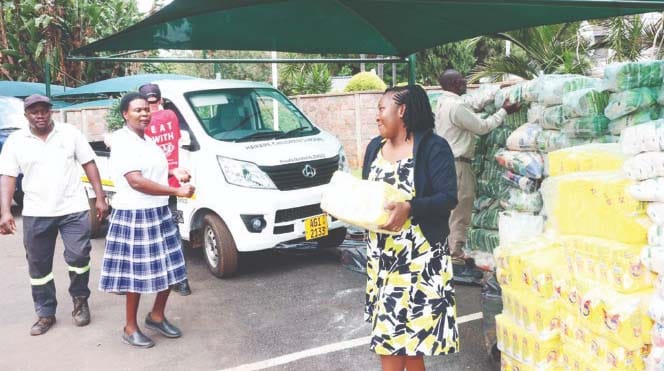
[49,155]
[458,124]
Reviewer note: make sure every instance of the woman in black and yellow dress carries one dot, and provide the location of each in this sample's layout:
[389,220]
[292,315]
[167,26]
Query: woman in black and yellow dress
[410,298]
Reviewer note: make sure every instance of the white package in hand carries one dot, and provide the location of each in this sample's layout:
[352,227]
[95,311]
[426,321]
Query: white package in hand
[360,202]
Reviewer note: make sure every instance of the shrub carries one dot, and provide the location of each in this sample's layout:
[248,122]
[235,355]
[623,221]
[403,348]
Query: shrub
[114,120]
[365,81]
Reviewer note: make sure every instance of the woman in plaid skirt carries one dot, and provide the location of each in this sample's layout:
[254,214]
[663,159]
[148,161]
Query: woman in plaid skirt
[143,248]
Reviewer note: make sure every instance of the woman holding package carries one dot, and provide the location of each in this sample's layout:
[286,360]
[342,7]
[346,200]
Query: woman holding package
[143,248]
[410,298]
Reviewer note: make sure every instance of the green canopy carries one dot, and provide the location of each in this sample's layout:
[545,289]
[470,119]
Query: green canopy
[22,89]
[387,27]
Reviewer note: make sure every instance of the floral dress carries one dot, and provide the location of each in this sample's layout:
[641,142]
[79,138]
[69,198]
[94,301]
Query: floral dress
[410,298]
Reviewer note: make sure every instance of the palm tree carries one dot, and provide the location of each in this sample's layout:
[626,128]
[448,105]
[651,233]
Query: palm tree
[544,49]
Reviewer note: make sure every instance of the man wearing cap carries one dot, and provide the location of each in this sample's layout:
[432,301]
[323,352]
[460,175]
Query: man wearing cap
[164,130]
[49,155]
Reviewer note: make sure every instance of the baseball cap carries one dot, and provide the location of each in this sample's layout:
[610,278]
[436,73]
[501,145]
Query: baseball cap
[150,91]
[34,99]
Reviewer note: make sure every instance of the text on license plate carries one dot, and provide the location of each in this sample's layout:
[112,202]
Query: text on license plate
[315,227]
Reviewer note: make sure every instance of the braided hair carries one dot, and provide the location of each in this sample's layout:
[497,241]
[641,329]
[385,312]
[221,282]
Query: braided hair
[418,115]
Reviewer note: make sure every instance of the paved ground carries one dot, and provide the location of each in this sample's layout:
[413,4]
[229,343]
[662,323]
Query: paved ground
[286,310]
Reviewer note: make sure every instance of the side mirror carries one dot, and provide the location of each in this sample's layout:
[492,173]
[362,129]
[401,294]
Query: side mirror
[185,139]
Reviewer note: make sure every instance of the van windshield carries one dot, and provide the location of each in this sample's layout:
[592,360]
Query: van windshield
[248,115]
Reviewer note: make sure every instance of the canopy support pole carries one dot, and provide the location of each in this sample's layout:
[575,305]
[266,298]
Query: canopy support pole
[411,69]
[47,77]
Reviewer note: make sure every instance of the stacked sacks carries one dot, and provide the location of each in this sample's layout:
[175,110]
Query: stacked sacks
[635,89]
[492,189]
[646,168]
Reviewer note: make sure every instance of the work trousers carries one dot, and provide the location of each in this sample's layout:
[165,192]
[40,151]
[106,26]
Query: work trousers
[460,216]
[39,235]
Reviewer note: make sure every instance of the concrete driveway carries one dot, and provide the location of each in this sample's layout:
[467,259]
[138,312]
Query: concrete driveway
[285,310]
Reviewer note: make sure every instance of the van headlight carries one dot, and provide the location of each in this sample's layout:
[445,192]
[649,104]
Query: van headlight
[244,174]
[343,161]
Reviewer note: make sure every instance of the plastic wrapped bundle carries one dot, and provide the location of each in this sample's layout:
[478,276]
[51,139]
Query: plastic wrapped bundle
[586,127]
[514,226]
[520,182]
[614,139]
[589,157]
[645,165]
[516,119]
[585,102]
[595,204]
[483,239]
[521,201]
[511,93]
[360,202]
[484,202]
[553,89]
[497,137]
[656,235]
[492,172]
[623,76]
[494,189]
[656,212]
[553,117]
[628,101]
[486,219]
[614,264]
[646,137]
[536,113]
[524,138]
[649,190]
[528,164]
[480,97]
[652,258]
[553,140]
[636,118]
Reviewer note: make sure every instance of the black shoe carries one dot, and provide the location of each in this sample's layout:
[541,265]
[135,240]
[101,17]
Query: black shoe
[182,288]
[466,274]
[137,339]
[81,312]
[42,325]
[164,327]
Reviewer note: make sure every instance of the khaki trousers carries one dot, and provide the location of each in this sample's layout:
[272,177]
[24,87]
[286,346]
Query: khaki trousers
[460,216]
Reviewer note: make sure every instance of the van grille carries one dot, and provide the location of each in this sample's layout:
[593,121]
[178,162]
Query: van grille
[295,213]
[292,176]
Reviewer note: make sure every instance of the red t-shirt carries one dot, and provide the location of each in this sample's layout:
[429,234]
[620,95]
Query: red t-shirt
[164,130]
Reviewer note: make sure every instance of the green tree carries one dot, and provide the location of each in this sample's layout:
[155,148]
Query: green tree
[544,49]
[458,55]
[33,32]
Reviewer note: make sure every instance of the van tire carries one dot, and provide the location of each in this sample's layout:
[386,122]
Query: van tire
[219,250]
[335,238]
[95,224]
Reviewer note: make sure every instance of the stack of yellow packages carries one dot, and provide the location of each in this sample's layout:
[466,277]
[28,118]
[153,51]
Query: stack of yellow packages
[577,297]
[645,142]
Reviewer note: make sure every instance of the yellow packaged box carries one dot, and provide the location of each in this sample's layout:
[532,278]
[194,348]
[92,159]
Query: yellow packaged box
[595,205]
[589,157]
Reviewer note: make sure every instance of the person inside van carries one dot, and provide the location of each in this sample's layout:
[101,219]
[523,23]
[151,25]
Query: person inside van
[410,300]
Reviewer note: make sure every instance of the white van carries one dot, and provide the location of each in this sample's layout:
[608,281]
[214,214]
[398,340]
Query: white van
[259,167]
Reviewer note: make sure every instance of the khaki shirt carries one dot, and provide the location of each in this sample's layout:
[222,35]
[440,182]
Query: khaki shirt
[51,169]
[458,124]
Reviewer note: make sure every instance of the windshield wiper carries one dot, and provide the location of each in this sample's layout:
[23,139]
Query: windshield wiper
[258,134]
[290,133]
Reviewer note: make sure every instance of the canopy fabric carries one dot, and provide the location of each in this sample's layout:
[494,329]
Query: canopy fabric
[387,27]
[119,85]
[22,89]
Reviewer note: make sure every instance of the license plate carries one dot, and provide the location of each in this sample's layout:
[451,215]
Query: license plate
[315,227]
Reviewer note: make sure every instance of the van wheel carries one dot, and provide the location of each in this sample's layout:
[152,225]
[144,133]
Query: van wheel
[95,224]
[335,238]
[219,249]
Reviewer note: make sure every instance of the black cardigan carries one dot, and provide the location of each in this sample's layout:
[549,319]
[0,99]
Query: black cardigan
[435,183]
